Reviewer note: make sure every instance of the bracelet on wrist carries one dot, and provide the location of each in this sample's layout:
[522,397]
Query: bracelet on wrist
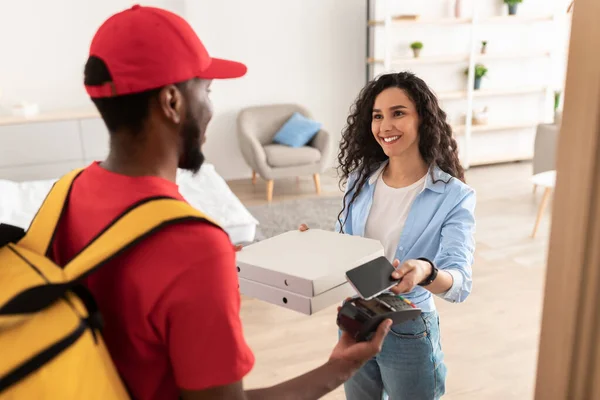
[434,272]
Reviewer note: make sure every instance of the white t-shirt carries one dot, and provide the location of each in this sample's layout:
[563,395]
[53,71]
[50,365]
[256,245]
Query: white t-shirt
[388,213]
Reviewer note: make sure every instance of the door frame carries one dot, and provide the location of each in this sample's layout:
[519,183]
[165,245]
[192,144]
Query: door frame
[569,349]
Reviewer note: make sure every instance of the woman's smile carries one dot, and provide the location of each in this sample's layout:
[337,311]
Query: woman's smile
[389,140]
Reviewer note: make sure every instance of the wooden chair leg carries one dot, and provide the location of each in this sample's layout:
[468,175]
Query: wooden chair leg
[270,190]
[317,179]
[541,210]
[254,177]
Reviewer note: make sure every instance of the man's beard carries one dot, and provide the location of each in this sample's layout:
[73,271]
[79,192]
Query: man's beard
[192,157]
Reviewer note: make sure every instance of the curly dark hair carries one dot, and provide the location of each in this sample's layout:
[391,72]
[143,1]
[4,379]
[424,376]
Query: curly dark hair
[361,154]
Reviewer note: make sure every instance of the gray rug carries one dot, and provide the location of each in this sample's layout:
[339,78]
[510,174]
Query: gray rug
[278,218]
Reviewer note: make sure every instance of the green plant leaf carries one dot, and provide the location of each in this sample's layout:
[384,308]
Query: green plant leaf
[480,71]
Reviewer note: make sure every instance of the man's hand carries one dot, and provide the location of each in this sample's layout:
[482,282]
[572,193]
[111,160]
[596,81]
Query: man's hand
[412,272]
[303,228]
[353,354]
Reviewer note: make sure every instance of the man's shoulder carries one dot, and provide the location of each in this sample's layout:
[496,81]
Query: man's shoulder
[185,250]
[192,235]
[189,240]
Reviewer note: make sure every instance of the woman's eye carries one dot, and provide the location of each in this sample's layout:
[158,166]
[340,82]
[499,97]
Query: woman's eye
[398,113]
[377,116]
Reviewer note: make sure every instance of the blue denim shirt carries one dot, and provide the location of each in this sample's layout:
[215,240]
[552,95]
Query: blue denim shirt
[440,227]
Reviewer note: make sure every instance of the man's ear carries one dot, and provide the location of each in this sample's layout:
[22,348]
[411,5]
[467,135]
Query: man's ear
[171,103]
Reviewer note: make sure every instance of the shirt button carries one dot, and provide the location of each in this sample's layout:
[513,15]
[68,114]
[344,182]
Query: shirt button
[401,248]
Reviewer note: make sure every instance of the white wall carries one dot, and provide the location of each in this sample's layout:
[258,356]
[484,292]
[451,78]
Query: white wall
[44,46]
[305,51]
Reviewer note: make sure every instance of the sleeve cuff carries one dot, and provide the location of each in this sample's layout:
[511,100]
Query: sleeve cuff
[453,294]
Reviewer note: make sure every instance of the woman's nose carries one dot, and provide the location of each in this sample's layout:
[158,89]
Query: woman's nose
[386,125]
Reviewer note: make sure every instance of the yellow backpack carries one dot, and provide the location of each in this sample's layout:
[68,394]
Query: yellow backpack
[50,329]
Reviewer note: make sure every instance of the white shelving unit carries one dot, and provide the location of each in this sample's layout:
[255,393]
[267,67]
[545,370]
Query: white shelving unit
[510,135]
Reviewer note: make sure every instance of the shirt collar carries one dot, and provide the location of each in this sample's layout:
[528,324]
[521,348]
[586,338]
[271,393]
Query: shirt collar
[436,184]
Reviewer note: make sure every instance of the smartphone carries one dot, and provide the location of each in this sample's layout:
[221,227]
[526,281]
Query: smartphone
[372,278]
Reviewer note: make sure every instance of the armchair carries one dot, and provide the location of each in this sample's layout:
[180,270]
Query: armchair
[545,146]
[258,125]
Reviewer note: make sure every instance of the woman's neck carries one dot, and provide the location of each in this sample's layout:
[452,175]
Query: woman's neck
[403,170]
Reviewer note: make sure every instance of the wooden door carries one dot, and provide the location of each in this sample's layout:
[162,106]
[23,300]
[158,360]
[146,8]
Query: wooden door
[569,356]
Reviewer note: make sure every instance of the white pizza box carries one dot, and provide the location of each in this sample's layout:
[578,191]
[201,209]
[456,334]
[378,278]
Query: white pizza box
[306,263]
[294,301]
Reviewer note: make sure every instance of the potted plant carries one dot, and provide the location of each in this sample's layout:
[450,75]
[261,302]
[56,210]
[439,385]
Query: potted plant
[483,46]
[557,112]
[512,6]
[480,71]
[416,48]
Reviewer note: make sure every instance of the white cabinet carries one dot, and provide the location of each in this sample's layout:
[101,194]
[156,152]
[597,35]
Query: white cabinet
[39,143]
[53,170]
[94,139]
[50,144]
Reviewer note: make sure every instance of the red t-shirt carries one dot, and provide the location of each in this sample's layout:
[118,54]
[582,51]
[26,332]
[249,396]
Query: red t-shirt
[171,303]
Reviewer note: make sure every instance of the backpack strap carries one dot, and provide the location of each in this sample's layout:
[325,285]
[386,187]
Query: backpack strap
[134,225]
[41,230]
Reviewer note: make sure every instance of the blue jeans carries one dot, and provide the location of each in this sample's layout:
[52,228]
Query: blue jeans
[409,367]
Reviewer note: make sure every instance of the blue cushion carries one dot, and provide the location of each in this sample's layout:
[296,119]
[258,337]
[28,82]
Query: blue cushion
[297,131]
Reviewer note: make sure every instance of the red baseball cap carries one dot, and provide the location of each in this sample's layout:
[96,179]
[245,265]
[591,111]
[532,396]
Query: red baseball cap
[146,48]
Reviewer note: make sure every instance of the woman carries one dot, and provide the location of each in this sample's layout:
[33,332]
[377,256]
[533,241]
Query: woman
[405,187]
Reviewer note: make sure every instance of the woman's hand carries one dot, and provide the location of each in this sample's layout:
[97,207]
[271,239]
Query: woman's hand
[412,272]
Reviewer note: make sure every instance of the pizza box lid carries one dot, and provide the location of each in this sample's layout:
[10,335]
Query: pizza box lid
[307,263]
